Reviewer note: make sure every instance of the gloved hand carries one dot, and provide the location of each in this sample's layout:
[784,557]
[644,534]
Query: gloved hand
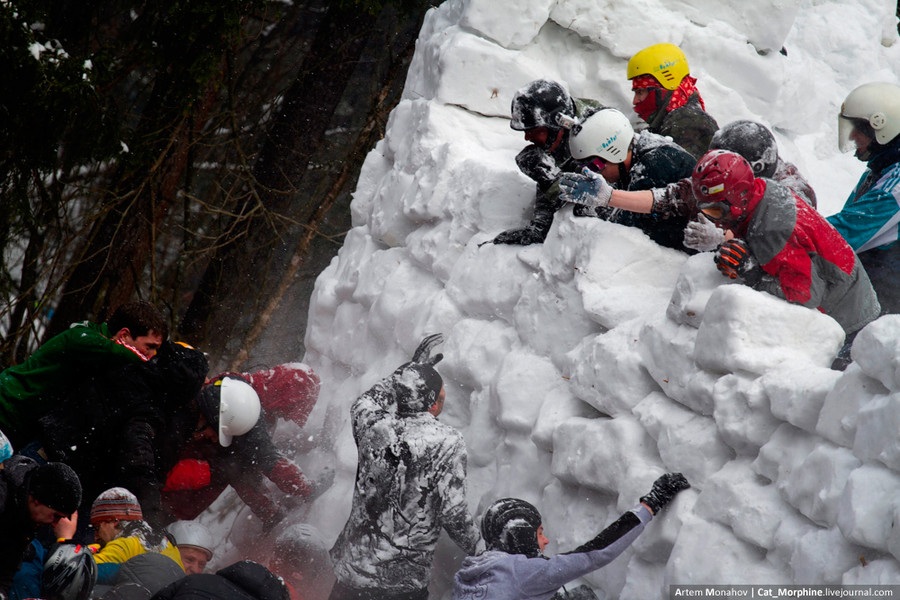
[703,235]
[423,352]
[734,260]
[664,489]
[588,188]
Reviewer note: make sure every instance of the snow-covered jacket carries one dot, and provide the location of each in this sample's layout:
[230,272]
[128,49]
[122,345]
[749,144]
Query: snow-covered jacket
[804,259]
[655,162]
[496,575]
[410,482]
[545,168]
[788,175]
[689,126]
[871,216]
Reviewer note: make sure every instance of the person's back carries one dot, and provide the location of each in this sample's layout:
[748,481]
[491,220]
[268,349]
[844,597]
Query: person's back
[410,483]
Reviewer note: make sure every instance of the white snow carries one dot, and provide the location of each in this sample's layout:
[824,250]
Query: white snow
[580,369]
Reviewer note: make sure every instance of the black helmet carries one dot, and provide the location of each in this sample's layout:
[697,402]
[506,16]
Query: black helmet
[541,103]
[754,141]
[511,525]
[69,573]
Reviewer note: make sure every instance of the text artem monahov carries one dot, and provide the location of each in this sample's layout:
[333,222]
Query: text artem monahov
[710,592]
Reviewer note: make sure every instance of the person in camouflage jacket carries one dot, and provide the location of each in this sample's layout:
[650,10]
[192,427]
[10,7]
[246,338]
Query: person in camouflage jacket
[410,483]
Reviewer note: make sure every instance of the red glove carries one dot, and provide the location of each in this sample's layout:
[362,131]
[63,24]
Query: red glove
[734,260]
[188,474]
[290,479]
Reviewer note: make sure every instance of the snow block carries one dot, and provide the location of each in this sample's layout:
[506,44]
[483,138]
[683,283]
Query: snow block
[487,281]
[611,292]
[524,383]
[644,580]
[878,431]
[696,282]
[667,350]
[512,29]
[742,413]
[815,486]
[747,330]
[655,543]
[687,442]
[797,395]
[873,572]
[556,409]
[706,551]
[867,506]
[606,370]
[784,452]
[474,350]
[749,505]
[548,317]
[822,556]
[610,455]
[853,389]
[876,350]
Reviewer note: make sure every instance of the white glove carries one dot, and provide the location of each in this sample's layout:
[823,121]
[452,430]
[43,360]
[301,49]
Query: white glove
[703,235]
[588,188]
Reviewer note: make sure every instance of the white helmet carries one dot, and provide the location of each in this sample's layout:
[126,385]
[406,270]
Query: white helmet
[878,104]
[238,409]
[191,533]
[607,133]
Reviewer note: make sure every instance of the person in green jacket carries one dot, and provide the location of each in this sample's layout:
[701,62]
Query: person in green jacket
[28,390]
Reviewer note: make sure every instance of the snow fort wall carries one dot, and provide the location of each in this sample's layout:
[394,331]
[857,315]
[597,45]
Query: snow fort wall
[580,369]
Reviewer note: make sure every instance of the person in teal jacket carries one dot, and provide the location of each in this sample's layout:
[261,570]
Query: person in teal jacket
[869,123]
[28,390]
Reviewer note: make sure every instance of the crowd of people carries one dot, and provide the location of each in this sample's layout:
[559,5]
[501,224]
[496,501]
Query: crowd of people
[114,438]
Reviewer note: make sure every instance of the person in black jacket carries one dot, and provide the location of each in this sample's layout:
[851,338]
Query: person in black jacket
[545,112]
[31,495]
[127,429]
[244,580]
[607,145]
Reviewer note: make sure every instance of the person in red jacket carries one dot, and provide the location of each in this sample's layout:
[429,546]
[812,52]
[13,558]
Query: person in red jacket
[781,244]
[235,449]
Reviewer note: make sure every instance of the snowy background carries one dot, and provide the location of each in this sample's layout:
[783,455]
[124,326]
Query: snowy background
[581,369]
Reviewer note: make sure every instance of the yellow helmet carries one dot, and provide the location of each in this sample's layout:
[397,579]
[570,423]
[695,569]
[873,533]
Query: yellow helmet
[666,62]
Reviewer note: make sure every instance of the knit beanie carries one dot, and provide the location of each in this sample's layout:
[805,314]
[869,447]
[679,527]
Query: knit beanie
[116,504]
[56,485]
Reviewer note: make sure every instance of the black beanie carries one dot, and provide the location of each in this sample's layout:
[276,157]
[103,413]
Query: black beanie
[56,485]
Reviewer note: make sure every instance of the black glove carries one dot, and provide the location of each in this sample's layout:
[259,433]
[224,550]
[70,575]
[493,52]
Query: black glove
[733,259]
[423,352]
[664,489]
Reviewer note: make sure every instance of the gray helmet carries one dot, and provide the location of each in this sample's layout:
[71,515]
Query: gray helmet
[542,103]
[754,141]
[510,525]
[69,573]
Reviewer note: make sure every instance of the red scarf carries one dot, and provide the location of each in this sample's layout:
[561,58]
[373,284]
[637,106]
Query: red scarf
[677,98]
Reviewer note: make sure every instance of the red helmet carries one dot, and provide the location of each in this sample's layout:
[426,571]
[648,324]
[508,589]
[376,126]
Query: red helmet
[723,185]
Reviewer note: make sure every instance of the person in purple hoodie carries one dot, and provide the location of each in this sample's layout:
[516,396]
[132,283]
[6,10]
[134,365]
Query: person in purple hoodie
[514,568]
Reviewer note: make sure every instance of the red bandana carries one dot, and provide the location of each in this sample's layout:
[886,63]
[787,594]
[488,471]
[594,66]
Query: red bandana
[677,99]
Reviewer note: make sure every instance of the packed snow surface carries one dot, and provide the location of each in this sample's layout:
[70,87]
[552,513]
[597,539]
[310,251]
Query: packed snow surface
[580,369]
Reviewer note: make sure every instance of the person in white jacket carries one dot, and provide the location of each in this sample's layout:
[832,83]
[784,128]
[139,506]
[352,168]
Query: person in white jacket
[514,568]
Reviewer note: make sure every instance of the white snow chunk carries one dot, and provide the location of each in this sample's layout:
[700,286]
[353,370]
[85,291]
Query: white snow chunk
[837,419]
[742,413]
[747,330]
[822,556]
[873,572]
[867,506]
[784,452]
[698,279]
[814,487]
[797,394]
[687,442]
[876,350]
[878,431]
[667,351]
